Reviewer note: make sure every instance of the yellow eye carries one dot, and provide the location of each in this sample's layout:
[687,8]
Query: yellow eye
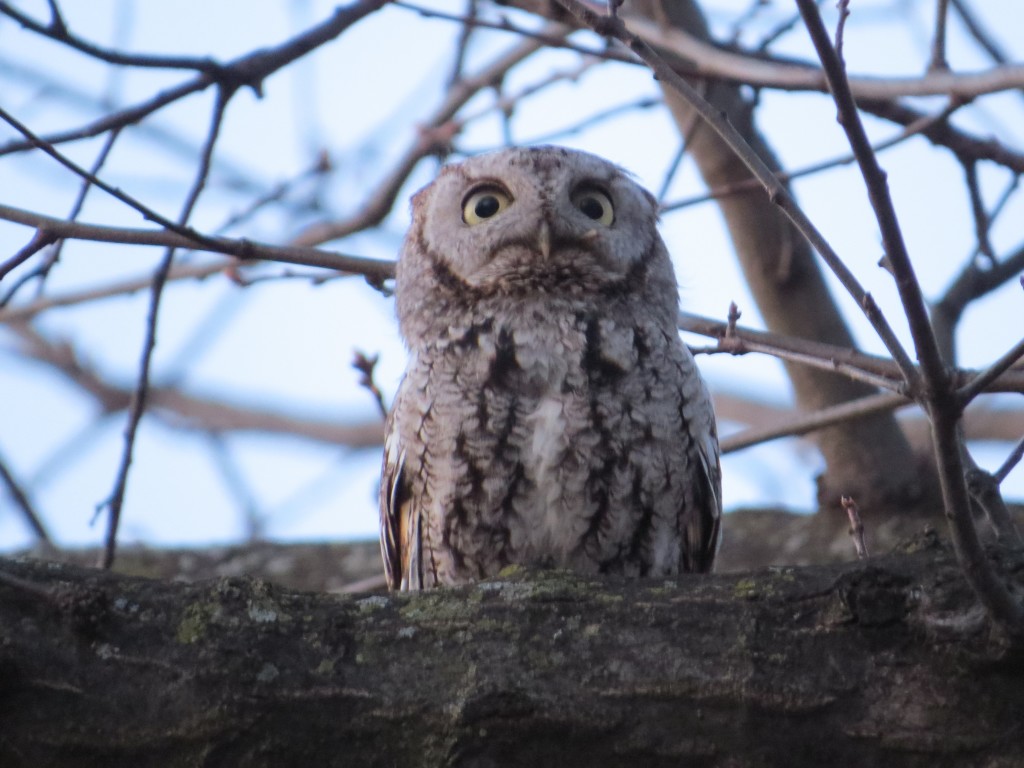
[594,204]
[485,203]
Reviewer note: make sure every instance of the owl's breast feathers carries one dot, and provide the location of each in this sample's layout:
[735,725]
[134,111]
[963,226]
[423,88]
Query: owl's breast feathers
[561,438]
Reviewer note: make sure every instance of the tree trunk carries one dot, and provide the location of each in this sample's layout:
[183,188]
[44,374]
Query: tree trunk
[881,662]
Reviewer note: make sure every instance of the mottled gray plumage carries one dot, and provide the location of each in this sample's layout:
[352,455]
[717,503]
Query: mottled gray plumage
[550,413]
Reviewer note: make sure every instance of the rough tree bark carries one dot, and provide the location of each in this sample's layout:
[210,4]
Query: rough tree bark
[881,662]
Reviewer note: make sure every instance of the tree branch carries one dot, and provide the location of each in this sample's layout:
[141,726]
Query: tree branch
[249,70]
[538,669]
[115,502]
[937,394]
[21,501]
[763,72]
[377,270]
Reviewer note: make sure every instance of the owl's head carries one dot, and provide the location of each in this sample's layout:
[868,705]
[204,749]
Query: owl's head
[543,221]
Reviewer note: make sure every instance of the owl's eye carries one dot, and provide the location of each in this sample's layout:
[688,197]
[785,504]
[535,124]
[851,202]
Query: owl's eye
[484,203]
[594,204]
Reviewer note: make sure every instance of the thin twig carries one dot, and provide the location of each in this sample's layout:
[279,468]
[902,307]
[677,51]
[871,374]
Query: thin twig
[732,344]
[938,62]
[976,386]
[147,212]
[138,407]
[40,239]
[981,218]
[375,270]
[915,128]
[24,312]
[835,356]
[945,134]
[43,270]
[56,17]
[366,365]
[251,70]
[856,526]
[843,6]
[983,38]
[630,109]
[802,424]
[718,329]
[972,283]
[504,25]
[462,45]
[1012,460]
[21,501]
[58,31]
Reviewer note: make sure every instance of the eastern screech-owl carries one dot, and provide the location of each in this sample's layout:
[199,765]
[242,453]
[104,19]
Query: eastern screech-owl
[550,413]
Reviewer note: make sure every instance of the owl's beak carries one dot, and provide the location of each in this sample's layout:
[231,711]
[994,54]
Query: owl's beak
[544,239]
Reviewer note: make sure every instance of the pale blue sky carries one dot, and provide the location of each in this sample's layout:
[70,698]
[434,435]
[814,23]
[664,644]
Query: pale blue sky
[288,343]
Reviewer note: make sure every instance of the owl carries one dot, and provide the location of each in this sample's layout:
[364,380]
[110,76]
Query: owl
[549,413]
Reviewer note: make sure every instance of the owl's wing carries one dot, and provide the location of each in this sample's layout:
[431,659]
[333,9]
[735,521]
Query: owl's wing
[702,525]
[400,542]
[708,522]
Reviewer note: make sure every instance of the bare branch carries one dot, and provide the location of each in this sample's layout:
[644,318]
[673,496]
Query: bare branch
[138,405]
[764,72]
[983,38]
[56,30]
[976,386]
[798,424]
[841,357]
[40,239]
[915,128]
[937,394]
[972,283]
[249,70]
[21,501]
[981,219]
[1011,461]
[549,40]
[195,412]
[377,270]
[43,270]
[147,212]
[938,62]
[365,366]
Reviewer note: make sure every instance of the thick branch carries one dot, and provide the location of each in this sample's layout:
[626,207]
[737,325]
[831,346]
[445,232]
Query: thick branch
[878,662]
